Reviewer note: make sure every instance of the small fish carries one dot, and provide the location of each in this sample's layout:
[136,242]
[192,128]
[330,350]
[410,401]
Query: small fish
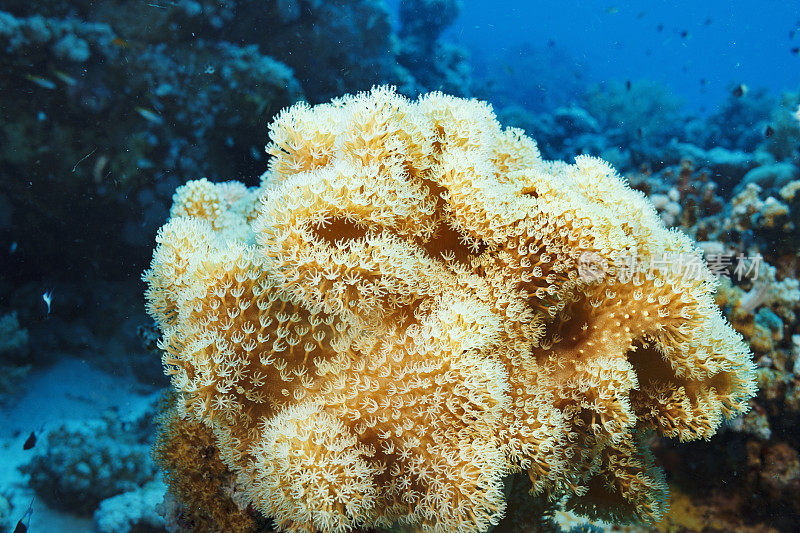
[660,27]
[703,82]
[628,85]
[42,82]
[210,69]
[684,33]
[149,115]
[118,41]
[740,90]
[48,299]
[612,10]
[99,168]
[508,69]
[708,22]
[22,527]
[796,50]
[639,133]
[551,43]
[13,247]
[66,78]
[769,132]
[30,442]
[791,34]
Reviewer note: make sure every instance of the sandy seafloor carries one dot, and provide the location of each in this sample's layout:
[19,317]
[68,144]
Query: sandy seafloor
[49,397]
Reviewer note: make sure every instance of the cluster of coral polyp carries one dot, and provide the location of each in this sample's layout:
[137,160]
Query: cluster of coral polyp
[401,316]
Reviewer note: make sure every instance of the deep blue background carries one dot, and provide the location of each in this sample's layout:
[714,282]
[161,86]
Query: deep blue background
[726,42]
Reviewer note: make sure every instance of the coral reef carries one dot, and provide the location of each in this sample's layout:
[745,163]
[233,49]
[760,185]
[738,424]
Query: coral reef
[109,106]
[641,124]
[727,166]
[736,123]
[132,512]
[637,116]
[78,465]
[95,321]
[531,78]
[5,513]
[719,512]
[297,33]
[13,349]
[784,144]
[562,134]
[775,471]
[629,124]
[86,133]
[749,239]
[414,304]
[434,63]
[769,218]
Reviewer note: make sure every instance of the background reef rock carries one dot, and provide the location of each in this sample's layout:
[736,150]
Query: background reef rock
[108,106]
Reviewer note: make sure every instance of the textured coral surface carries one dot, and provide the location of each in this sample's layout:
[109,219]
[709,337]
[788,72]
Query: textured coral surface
[414,305]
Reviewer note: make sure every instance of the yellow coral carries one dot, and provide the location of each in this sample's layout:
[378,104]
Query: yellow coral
[185,450]
[419,305]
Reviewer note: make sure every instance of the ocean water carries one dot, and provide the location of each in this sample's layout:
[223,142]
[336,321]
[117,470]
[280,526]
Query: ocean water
[541,261]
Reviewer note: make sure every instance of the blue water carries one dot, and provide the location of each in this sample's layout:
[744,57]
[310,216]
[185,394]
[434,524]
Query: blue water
[725,43]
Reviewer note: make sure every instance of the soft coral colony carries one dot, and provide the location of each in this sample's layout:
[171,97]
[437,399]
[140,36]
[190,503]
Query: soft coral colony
[397,319]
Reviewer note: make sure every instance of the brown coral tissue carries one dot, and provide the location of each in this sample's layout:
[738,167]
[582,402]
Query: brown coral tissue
[413,306]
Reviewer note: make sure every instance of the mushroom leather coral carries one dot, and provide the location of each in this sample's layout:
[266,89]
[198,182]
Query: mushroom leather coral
[401,315]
